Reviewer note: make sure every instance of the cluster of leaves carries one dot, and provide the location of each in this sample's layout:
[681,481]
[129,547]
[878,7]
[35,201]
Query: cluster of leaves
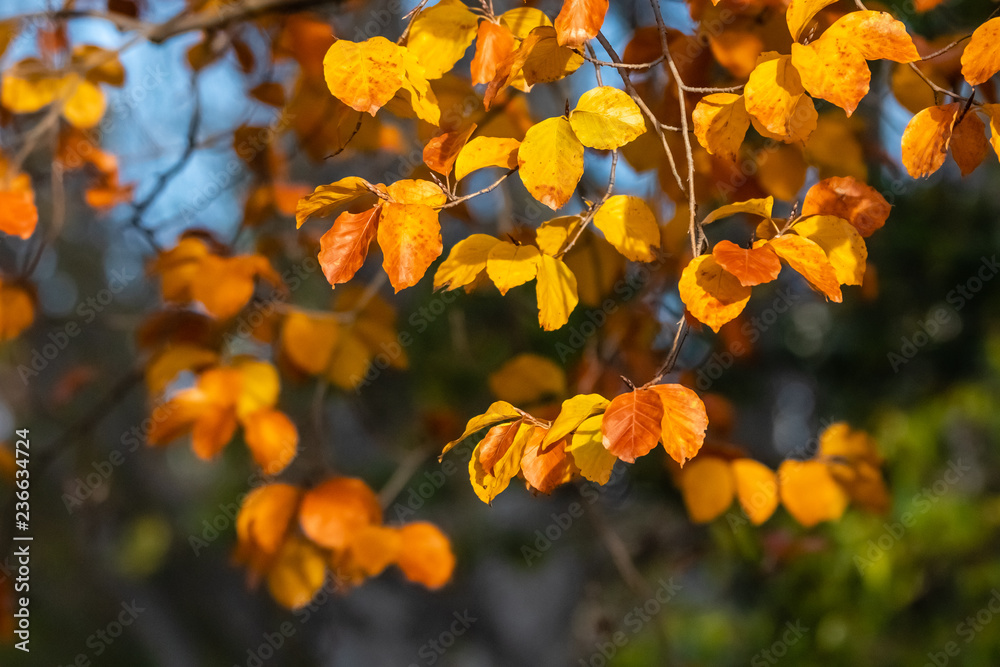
[294,536]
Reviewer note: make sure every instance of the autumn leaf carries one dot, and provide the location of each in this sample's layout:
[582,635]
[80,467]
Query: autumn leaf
[272,439]
[572,414]
[877,35]
[327,199]
[630,226]
[801,12]
[18,214]
[775,96]
[808,259]
[344,247]
[711,294]
[556,292]
[465,262]
[632,424]
[587,449]
[761,207]
[546,469]
[417,88]
[297,574]
[841,242]
[410,238]
[684,421]
[425,555]
[751,266]
[17,310]
[494,43]
[579,21]
[834,70]
[441,152]
[720,123]
[810,493]
[847,198]
[440,35]
[484,152]
[968,143]
[981,58]
[497,413]
[926,139]
[606,118]
[707,486]
[332,512]
[497,459]
[510,265]
[522,20]
[551,162]
[756,488]
[364,75]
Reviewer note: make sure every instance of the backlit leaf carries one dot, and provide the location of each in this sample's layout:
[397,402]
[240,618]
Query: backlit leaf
[877,35]
[720,123]
[775,96]
[606,118]
[332,512]
[272,439]
[711,294]
[846,197]
[968,143]
[834,70]
[326,199]
[632,424]
[510,265]
[809,260]
[494,43]
[707,486]
[465,262]
[484,152]
[810,493]
[342,249]
[410,238]
[927,137]
[574,411]
[801,12]
[425,555]
[629,225]
[555,291]
[751,266]
[528,378]
[684,421]
[551,161]
[498,412]
[579,21]
[440,35]
[587,449]
[981,58]
[841,242]
[761,207]
[756,489]
[364,75]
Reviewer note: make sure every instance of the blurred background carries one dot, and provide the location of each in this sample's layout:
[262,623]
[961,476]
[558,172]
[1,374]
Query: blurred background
[613,575]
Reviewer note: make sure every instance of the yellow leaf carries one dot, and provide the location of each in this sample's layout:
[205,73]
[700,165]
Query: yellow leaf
[580,20]
[166,365]
[588,452]
[720,124]
[522,20]
[775,96]
[993,111]
[876,34]
[410,238]
[711,294]
[810,493]
[416,191]
[756,489]
[29,93]
[486,152]
[926,139]
[761,207]
[528,378]
[981,58]
[629,226]
[497,413]
[606,118]
[556,293]
[801,12]
[326,199]
[365,75]
[439,36]
[551,162]
[85,105]
[834,70]
[510,265]
[465,262]
[574,412]
[350,360]
[416,86]
[489,481]
[259,386]
[552,234]
[707,486]
[297,574]
[841,242]
[809,260]
[308,341]
[684,421]
[546,60]
[839,440]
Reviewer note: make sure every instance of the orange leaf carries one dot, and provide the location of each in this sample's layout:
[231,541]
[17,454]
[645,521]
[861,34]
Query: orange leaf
[720,124]
[877,35]
[579,21]
[18,214]
[810,493]
[968,143]
[425,556]
[441,152]
[808,259]
[548,469]
[926,139]
[334,511]
[756,488]
[834,70]
[17,310]
[751,266]
[707,487]
[711,294]
[365,75]
[981,58]
[775,96]
[494,43]
[212,432]
[849,199]
[496,443]
[632,424]
[410,238]
[272,439]
[374,548]
[343,248]
[265,516]
[297,573]
[684,421]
